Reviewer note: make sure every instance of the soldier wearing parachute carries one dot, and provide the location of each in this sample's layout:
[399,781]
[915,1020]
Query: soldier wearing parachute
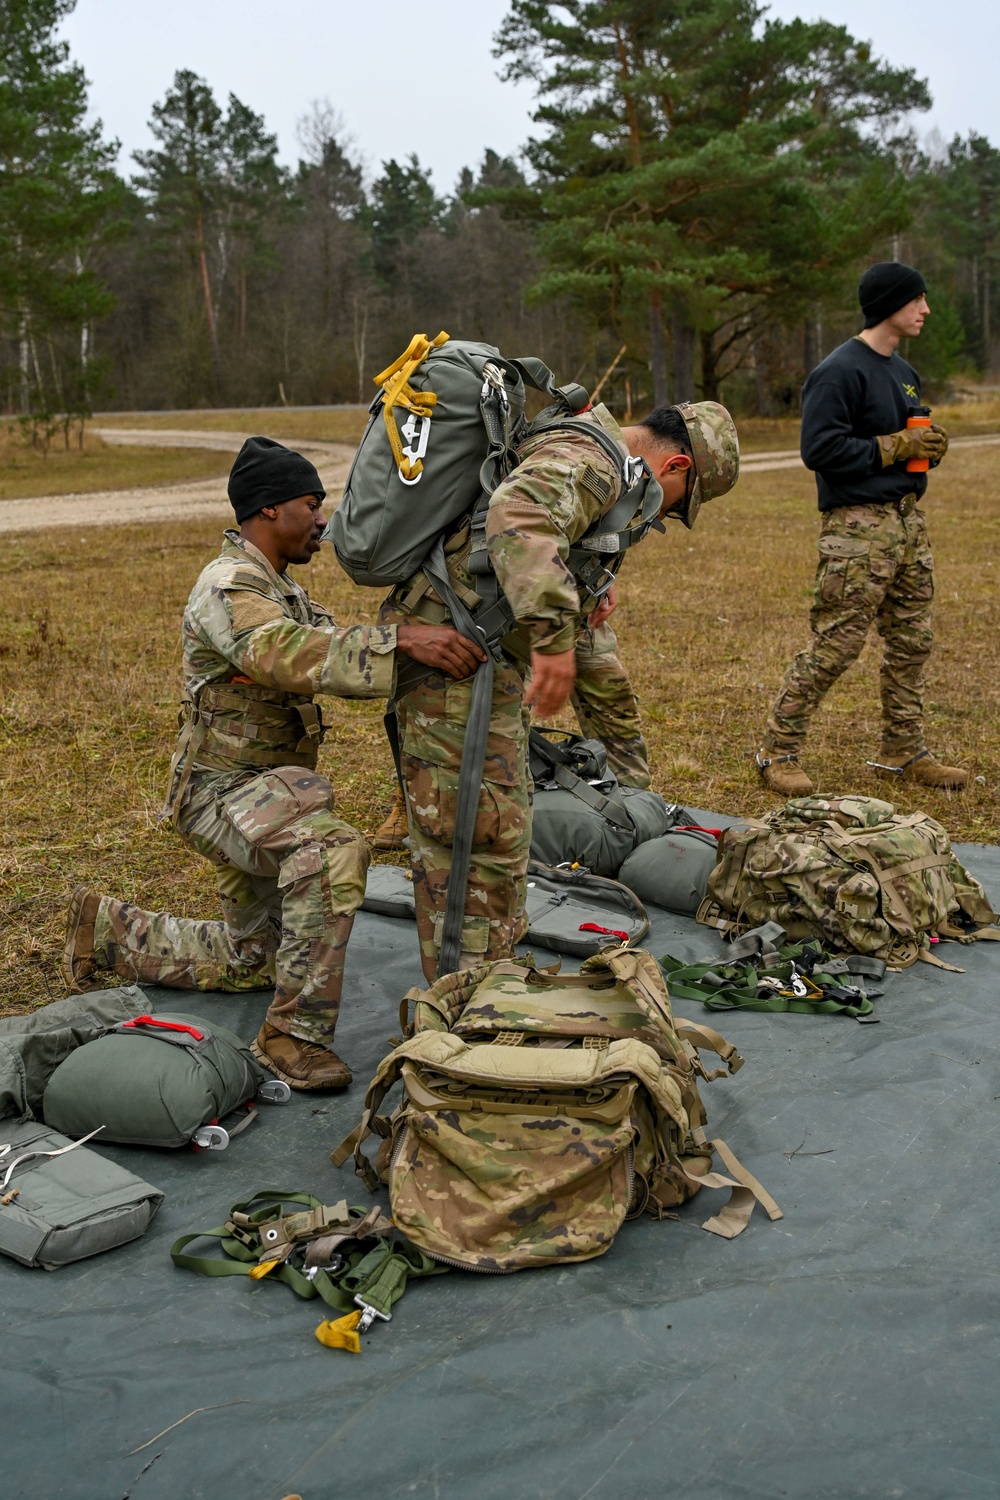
[525,541]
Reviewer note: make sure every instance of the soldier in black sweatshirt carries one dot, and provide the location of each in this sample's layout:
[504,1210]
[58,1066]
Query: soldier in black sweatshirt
[875,562]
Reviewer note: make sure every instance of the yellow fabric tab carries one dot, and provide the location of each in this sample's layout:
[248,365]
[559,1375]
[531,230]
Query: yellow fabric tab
[341,1333]
[256,1272]
[397,391]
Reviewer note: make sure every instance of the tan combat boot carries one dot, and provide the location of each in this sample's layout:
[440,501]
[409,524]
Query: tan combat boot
[302,1065]
[920,769]
[80,964]
[394,830]
[783,775]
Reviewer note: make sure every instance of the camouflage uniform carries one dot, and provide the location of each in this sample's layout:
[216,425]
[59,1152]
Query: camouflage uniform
[562,484]
[244,794]
[606,706]
[875,564]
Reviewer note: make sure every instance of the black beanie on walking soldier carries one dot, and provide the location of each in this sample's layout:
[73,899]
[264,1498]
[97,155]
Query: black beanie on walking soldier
[267,473]
[887,286]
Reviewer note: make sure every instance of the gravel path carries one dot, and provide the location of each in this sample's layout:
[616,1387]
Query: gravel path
[170,502]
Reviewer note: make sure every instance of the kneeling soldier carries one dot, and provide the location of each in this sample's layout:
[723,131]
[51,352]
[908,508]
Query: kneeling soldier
[243,785]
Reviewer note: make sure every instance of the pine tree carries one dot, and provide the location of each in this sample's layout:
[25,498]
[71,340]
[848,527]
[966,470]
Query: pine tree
[215,192]
[59,198]
[701,162]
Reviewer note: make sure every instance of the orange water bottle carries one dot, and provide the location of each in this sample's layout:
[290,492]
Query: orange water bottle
[920,416]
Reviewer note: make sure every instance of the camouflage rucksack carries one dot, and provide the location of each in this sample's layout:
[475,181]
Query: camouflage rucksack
[851,872]
[540,1110]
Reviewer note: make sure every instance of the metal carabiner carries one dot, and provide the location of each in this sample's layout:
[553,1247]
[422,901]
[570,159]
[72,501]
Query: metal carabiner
[798,984]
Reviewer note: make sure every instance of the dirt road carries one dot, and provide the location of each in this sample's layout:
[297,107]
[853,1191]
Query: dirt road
[207,497]
[171,502]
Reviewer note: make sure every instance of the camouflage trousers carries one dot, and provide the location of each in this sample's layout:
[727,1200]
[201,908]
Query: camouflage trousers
[290,876]
[432,723]
[875,565]
[606,707]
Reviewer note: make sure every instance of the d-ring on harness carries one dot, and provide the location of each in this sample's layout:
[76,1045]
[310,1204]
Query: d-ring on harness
[877,765]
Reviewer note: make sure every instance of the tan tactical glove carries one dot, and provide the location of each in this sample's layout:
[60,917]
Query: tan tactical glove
[913,442]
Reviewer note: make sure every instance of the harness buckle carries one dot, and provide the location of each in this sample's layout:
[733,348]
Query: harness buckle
[369,1314]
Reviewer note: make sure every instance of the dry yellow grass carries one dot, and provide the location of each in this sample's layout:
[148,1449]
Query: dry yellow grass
[24,473]
[89,683]
[336,424]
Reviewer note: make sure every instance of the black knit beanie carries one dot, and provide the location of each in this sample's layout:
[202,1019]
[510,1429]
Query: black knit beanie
[266,473]
[887,286]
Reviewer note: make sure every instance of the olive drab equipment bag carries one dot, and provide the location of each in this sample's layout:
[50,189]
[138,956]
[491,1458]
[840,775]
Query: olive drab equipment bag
[61,1202]
[540,1110]
[851,872]
[443,433]
[568,911]
[161,1080]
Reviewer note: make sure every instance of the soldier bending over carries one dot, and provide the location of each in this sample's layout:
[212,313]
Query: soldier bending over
[243,785]
[564,482]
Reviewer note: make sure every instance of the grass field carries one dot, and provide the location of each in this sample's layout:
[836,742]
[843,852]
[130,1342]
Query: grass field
[24,473]
[335,424]
[89,656]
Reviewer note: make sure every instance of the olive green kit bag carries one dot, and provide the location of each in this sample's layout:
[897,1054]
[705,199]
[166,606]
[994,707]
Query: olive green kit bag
[568,911]
[60,1202]
[541,1110]
[851,872]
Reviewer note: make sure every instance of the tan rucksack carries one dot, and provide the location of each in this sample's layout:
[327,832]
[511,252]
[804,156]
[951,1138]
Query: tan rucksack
[540,1110]
[851,872]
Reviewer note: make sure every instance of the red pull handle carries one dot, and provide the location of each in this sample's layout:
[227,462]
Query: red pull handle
[199,1036]
[607,931]
[696,828]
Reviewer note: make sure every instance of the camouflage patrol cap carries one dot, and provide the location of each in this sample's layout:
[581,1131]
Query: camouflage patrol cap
[715,448]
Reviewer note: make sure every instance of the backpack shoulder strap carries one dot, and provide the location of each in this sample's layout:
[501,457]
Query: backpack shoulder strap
[536,373]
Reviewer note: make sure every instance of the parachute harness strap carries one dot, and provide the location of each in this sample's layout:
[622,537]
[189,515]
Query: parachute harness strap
[397,391]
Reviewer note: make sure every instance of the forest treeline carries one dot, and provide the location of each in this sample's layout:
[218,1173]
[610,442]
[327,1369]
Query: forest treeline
[701,191]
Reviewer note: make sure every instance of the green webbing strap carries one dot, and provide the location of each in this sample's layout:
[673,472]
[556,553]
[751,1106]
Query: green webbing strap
[722,986]
[379,1275]
[379,1278]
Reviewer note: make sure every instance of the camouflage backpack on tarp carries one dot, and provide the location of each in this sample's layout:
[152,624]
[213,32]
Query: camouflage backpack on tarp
[540,1110]
[851,872]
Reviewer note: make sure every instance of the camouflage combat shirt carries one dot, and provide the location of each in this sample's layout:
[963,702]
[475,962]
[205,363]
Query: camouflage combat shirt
[562,484]
[244,620]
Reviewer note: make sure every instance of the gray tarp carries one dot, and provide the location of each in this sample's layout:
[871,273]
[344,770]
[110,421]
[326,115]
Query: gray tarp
[850,1350]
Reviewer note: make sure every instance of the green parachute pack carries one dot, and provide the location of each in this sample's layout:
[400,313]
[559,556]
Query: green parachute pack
[164,1080]
[541,1110]
[440,438]
[853,873]
[581,814]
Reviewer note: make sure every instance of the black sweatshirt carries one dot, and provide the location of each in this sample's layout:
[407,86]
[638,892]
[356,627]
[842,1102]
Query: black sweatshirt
[853,397]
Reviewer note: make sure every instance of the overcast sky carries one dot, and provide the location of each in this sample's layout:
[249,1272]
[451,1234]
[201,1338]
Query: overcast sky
[418,75]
